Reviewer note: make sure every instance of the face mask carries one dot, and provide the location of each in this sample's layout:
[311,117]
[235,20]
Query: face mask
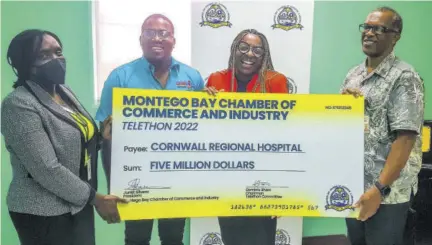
[50,73]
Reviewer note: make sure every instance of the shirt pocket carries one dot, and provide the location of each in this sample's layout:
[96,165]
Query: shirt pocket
[375,99]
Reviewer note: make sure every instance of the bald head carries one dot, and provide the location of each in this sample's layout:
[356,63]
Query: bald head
[158,19]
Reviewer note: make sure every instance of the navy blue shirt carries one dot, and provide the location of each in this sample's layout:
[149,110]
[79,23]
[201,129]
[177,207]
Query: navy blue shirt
[242,86]
[139,74]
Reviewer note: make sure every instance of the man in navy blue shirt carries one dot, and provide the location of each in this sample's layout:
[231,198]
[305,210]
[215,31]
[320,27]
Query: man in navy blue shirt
[157,69]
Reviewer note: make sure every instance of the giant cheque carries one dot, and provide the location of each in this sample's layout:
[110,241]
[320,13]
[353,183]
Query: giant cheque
[189,154]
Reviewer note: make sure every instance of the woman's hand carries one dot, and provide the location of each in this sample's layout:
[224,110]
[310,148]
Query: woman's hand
[106,206]
[107,128]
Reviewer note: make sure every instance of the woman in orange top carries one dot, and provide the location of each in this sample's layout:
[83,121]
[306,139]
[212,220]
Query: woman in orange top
[250,69]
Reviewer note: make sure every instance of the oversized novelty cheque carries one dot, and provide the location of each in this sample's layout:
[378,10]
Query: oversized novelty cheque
[189,154]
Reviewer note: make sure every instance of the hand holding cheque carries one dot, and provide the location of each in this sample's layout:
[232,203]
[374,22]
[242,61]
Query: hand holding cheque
[106,205]
[370,201]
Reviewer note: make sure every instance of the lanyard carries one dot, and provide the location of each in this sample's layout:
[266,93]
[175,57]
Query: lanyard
[80,119]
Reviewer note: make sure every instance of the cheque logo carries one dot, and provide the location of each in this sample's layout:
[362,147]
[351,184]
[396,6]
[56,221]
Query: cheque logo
[211,238]
[215,15]
[287,18]
[282,237]
[339,198]
[292,86]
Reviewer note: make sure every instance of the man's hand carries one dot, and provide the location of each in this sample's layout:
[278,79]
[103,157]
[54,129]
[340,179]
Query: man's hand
[354,91]
[106,127]
[369,203]
[212,90]
[106,206]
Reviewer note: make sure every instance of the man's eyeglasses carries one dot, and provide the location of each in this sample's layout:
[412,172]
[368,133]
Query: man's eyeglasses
[257,51]
[376,29]
[150,34]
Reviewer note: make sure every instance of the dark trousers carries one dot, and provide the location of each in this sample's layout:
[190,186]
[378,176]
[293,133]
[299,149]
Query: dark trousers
[386,227]
[248,230]
[138,232]
[64,229]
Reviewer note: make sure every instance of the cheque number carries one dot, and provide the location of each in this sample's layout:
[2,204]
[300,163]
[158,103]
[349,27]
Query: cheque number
[276,207]
[239,206]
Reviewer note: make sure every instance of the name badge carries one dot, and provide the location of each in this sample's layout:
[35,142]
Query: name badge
[184,84]
[366,124]
[88,163]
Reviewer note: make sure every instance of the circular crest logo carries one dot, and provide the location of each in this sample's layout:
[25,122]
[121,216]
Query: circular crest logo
[215,15]
[282,237]
[292,86]
[287,18]
[211,238]
[339,198]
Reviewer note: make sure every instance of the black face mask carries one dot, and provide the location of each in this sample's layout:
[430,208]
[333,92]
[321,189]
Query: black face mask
[50,73]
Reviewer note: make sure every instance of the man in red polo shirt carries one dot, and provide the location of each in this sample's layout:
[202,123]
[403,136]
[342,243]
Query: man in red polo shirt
[250,69]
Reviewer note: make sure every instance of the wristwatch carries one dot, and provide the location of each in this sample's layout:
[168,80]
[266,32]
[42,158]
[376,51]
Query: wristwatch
[384,190]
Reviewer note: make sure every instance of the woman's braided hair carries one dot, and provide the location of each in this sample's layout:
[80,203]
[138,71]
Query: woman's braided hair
[266,65]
